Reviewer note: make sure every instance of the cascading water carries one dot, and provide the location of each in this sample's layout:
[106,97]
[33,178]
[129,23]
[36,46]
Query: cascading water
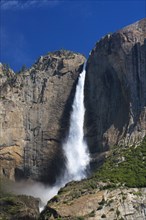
[75,148]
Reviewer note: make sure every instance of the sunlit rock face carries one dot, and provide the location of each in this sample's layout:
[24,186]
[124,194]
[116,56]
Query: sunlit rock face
[115,89]
[78,202]
[34,115]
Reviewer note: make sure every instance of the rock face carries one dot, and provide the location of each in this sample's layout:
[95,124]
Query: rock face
[35,106]
[115,89]
[85,201]
[34,115]
[113,195]
[19,207]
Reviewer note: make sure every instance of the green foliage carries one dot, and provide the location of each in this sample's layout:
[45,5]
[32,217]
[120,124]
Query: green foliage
[131,171]
[108,186]
[75,194]
[10,205]
[91,184]
[55,199]
[137,193]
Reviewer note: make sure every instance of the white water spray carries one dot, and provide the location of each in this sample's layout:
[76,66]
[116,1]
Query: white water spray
[75,148]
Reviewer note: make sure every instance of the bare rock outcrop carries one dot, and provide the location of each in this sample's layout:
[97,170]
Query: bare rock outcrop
[34,115]
[115,89]
[82,201]
[19,207]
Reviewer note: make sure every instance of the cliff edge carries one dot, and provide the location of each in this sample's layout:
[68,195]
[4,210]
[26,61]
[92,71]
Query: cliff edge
[115,89]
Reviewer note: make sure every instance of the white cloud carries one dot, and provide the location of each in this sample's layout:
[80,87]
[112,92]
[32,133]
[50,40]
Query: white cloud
[25,4]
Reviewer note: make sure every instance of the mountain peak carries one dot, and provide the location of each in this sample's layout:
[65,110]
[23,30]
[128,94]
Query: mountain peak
[60,59]
[139,26]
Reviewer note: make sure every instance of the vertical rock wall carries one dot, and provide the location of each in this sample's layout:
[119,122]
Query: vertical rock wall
[35,107]
[115,89]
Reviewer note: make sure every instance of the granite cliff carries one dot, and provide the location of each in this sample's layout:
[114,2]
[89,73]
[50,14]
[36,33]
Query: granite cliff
[35,104]
[115,89]
[34,115]
[115,127]
[83,201]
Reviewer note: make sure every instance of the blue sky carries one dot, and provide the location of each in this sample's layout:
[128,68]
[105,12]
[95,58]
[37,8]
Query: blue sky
[31,28]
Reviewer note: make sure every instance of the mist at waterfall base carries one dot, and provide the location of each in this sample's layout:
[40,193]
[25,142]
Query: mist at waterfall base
[75,150]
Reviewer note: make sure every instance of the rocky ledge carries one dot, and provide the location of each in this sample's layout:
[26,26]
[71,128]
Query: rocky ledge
[86,200]
[116,191]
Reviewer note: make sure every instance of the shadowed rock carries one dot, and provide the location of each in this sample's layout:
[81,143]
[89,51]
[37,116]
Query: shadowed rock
[115,89]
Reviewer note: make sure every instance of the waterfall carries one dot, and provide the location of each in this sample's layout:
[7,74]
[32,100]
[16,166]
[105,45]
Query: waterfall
[75,148]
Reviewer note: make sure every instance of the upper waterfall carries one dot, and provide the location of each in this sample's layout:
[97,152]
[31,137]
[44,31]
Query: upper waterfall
[75,147]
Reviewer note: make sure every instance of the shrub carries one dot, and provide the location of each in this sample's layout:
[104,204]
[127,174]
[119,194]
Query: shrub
[137,193]
[103,216]
[130,172]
